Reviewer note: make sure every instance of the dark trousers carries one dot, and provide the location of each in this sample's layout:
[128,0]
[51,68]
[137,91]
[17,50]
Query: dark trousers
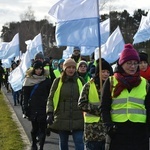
[38,129]
[95,145]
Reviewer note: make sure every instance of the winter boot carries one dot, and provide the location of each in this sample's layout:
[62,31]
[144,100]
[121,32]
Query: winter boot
[33,146]
[42,137]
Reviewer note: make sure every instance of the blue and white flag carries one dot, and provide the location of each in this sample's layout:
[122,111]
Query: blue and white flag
[87,51]
[17,76]
[6,63]
[77,23]
[11,49]
[104,34]
[34,46]
[143,33]
[104,30]
[67,52]
[111,50]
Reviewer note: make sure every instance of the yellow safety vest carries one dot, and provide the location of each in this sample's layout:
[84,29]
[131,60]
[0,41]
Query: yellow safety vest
[129,105]
[57,92]
[57,73]
[93,99]
[48,68]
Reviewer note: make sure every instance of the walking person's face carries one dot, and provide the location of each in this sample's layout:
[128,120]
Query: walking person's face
[70,70]
[130,67]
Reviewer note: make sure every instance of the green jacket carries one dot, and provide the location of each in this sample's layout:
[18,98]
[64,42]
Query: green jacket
[67,116]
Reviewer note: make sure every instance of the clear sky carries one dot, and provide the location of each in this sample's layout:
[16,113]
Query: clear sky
[10,10]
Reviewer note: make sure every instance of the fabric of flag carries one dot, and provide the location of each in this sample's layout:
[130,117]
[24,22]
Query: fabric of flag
[77,23]
[87,51]
[35,46]
[16,77]
[143,33]
[67,52]
[104,34]
[11,49]
[111,50]
[104,30]
[6,63]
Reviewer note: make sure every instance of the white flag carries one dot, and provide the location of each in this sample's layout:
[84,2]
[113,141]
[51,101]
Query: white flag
[35,46]
[10,49]
[111,50]
[68,52]
[143,33]
[16,77]
[104,30]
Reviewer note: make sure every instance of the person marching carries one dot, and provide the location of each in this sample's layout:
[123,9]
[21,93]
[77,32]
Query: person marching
[144,66]
[35,91]
[63,114]
[89,103]
[125,105]
[82,70]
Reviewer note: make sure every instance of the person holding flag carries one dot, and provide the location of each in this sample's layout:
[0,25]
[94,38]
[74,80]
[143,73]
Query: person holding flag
[89,103]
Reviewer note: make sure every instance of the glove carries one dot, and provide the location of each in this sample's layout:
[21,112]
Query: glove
[110,128]
[50,118]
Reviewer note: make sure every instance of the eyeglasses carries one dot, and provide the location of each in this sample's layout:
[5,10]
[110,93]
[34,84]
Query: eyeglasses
[130,64]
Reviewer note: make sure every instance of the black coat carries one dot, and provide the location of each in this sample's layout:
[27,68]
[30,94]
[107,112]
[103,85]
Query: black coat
[127,135]
[37,102]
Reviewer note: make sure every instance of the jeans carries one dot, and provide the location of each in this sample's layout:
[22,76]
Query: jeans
[15,96]
[77,138]
[95,145]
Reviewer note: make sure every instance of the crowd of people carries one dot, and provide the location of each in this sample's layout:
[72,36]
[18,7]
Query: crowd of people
[100,107]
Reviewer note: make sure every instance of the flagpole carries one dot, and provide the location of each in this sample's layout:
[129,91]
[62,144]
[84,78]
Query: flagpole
[99,49]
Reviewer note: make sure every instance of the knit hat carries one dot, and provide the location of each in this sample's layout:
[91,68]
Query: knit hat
[82,62]
[105,66]
[60,61]
[128,53]
[68,62]
[37,64]
[39,56]
[143,56]
[76,48]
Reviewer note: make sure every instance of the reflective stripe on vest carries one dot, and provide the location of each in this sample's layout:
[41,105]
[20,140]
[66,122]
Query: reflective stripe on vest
[57,92]
[93,99]
[129,105]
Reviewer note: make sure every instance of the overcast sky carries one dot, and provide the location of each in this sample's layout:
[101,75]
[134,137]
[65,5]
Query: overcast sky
[10,10]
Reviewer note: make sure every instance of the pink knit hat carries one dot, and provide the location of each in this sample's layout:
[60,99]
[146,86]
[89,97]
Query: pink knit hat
[128,53]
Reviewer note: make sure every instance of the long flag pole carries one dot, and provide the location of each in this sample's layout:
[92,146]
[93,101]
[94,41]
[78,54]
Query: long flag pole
[99,41]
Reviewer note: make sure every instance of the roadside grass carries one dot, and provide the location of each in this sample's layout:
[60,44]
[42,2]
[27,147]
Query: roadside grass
[10,138]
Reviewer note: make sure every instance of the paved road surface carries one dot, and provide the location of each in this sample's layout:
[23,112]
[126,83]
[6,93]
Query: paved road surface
[51,141]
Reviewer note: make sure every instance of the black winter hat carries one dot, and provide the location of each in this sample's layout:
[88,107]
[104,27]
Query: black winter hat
[105,66]
[38,64]
[39,56]
[143,56]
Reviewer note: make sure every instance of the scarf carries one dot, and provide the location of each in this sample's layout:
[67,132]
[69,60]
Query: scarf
[32,80]
[145,74]
[126,81]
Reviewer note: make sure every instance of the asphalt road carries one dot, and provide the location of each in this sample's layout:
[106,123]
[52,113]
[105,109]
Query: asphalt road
[51,142]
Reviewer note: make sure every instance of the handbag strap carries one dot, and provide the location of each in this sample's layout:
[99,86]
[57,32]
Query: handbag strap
[34,88]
